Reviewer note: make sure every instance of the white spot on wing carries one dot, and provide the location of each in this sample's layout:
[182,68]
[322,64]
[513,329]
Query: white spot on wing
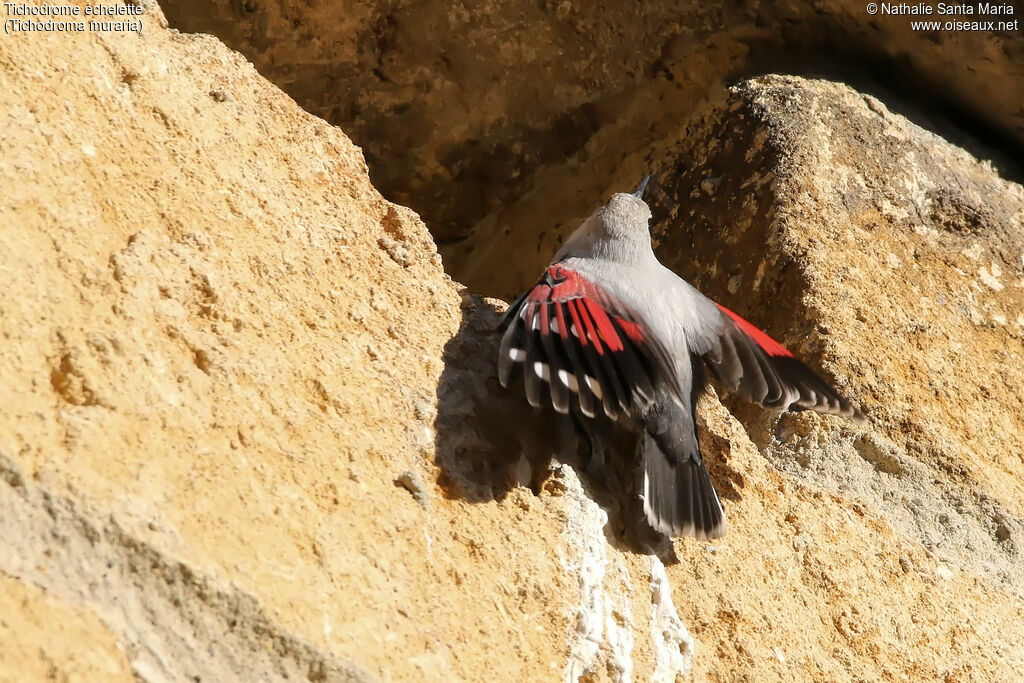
[542,370]
[517,355]
[568,380]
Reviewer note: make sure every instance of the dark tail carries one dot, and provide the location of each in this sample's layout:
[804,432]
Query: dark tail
[679,499]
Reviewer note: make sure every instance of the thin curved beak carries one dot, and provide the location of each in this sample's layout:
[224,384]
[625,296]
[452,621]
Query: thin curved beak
[639,191]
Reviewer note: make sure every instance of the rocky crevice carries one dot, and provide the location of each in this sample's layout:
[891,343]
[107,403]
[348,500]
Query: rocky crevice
[569,84]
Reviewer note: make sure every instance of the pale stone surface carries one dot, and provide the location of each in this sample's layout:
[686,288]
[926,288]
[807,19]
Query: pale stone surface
[250,430]
[892,260]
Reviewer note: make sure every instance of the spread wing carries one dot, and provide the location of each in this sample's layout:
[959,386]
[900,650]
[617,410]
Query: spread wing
[569,333]
[764,371]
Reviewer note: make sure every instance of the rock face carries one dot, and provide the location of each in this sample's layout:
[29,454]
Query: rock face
[462,109]
[895,261]
[250,429]
[219,389]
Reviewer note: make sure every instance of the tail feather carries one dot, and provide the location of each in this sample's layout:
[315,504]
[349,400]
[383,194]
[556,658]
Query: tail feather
[679,498]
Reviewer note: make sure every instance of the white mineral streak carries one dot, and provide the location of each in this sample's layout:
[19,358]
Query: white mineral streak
[673,644]
[618,622]
[602,627]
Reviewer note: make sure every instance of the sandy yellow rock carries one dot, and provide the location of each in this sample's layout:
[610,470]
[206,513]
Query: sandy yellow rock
[192,345]
[251,426]
[48,639]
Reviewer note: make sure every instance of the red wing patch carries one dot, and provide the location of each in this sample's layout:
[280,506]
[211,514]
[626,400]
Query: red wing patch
[769,345]
[572,335]
[749,361]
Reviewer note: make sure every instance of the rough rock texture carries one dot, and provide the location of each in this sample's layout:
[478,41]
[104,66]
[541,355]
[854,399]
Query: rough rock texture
[894,261]
[464,107]
[897,257]
[219,383]
[43,635]
[250,430]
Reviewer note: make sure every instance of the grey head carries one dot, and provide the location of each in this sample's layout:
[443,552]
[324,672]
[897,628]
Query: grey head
[618,230]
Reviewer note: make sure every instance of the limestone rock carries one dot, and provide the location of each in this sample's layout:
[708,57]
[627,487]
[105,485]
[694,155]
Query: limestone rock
[222,348]
[895,261]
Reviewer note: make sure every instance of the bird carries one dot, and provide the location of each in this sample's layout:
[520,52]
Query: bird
[608,331]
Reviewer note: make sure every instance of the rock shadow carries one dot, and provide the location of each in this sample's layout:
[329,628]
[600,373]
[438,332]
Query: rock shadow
[490,440]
